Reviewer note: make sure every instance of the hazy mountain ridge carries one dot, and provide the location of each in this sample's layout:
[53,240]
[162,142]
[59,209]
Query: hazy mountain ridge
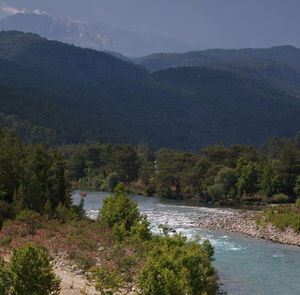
[97,36]
[289,55]
[72,62]
[67,94]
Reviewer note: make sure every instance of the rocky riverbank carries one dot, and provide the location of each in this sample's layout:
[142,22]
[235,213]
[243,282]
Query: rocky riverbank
[244,222]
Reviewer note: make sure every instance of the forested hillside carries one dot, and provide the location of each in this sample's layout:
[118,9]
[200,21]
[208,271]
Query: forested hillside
[279,64]
[60,93]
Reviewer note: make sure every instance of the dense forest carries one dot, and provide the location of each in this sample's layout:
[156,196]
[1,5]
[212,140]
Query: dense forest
[31,177]
[62,94]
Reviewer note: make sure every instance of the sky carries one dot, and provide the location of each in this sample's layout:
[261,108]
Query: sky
[210,23]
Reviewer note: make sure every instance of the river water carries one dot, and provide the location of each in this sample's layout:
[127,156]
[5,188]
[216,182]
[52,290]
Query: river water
[246,266]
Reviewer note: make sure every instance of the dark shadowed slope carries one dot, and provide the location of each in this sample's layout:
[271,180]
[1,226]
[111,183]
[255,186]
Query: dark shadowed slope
[68,94]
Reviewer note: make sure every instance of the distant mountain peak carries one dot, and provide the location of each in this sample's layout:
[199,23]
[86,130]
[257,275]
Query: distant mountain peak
[99,36]
[40,12]
[6,10]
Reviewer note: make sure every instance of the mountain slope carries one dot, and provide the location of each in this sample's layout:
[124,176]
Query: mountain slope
[236,108]
[64,60]
[280,65]
[284,54]
[74,95]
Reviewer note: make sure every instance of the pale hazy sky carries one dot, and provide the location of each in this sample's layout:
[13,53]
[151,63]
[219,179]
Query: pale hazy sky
[212,23]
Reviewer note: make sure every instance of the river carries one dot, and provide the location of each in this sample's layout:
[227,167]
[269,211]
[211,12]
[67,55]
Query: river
[246,265]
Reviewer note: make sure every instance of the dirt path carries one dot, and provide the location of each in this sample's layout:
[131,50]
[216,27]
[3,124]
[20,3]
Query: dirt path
[74,284]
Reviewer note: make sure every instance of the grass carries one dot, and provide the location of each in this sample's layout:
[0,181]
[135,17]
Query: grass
[282,216]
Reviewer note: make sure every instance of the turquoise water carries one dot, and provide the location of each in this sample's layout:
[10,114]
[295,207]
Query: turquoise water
[245,265]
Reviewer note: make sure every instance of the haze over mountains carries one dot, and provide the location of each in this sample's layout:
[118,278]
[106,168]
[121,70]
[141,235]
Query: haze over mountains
[98,36]
[60,93]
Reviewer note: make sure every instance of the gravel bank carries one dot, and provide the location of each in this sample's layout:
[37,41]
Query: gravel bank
[231,220]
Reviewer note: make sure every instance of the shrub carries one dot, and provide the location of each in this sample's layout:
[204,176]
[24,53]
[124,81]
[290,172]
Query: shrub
[177,267]
[79,209]
[29,272]
[63,213]
[7,210]
[27,215]
[4,279]
[31,218]
[108,281]
[142,229]
[297,186]
[280,198]
[150,190]
[112,181]
[119,212]
[216,192]
[1,221]
[298,203]
[283,216]
[208,248]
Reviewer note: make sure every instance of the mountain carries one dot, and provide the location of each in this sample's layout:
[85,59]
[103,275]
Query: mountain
[97,36]
[65,94]
[6,10]
[280,65]
[282,54]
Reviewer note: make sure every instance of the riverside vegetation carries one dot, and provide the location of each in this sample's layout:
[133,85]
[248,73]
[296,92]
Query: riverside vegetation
[282,216]
[118,251]
[237,175]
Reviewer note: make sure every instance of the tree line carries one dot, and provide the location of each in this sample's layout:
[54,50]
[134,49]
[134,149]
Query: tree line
[234,174]
[38,179]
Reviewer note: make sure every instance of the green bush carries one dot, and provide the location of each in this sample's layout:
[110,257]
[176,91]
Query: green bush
[280,198]
[1,221]
[79,209]
[208,248]
[177,267]
[107,281]
[63,213]
[298,203]
[29,272]
[141,230]
[119,212]
[7,210]
[28,215]
[216,192]
[31,218]
[287,220]
[4,279]
[150,190]
[112,181]
[283,217]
